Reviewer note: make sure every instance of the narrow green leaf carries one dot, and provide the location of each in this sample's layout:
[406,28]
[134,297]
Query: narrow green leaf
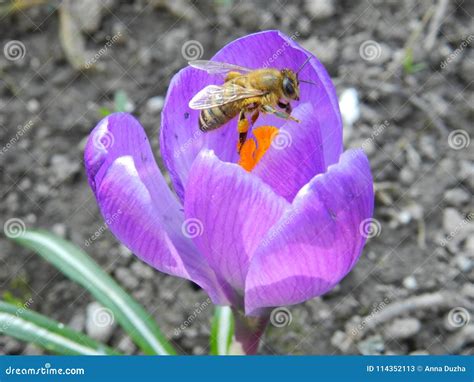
[25,325]
[409,65]
[222,330]
[79,267]
[120,101]
[104,111]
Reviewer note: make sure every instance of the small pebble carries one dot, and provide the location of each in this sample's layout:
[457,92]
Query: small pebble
[463,263]
[456,197]
[327,51]
[77,322]
[410,283]
[407,176]
[372,345]
[31,218]
[32,105]
[100,322]
[126,345]
[419,352]
[469,245]
[142,270]
[12,346]
[404,217]
[129,106]
[119,30]
[466,172]
[59,229]
[155,104]
[349,106]
[32,349]
[468,290]
[320,9]
[88,13]
[126,278]
[341,341]
[384,54]
[25,184]
[63,167]
[199,350]
[124,251]
[452,220]
[402,328]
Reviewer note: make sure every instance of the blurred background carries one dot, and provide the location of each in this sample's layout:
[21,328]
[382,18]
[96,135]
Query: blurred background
[404,73]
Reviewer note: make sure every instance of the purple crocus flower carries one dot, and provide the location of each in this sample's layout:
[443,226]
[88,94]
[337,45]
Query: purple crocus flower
[280,234]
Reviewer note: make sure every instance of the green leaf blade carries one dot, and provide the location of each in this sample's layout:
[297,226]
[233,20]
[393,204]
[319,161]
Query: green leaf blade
[120,101]
[222,330]
[79,267]
[51,335]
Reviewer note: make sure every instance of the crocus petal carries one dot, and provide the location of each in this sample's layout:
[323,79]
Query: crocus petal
[138,205]
[295,156]
[181,140]
[317,242]
[235,209]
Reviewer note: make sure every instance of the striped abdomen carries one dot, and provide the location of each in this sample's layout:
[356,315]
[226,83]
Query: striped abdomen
[210,119]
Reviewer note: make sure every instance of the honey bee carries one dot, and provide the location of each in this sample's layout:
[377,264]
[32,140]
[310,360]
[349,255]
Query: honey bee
[245,92]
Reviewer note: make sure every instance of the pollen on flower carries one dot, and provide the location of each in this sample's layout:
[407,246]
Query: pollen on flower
[254,148]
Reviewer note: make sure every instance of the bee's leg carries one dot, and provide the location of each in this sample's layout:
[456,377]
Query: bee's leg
[285,106]
[242,128]
[276,113]
[254,117]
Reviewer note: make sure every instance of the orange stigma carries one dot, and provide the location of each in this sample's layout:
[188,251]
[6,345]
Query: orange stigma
[254,149]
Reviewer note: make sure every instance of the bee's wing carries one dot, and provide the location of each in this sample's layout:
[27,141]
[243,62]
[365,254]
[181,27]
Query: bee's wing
[214,95]
[214,67]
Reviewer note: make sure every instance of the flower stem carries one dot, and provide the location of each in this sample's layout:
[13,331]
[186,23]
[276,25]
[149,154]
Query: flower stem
[248,332]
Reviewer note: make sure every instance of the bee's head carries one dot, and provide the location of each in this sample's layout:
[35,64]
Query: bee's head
[290,85]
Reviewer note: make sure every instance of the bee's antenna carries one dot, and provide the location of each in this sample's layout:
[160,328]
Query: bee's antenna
[303,65]
[308,82]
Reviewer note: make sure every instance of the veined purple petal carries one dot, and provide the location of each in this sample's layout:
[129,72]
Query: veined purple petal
[138,205]
[235,210]
[295,156]
[317,242]
[181,140]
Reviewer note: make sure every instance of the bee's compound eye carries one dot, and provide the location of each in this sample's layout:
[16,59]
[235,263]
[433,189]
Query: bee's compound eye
[288,87]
